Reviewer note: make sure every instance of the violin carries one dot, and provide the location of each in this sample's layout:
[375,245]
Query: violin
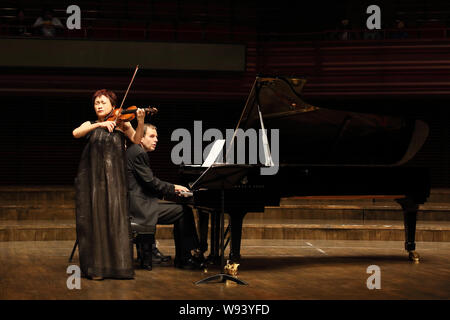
[128,114]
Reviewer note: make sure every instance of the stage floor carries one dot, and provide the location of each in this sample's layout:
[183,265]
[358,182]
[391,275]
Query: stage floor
[273,269]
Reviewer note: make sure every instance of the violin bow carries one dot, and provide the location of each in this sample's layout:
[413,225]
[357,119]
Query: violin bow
[126,93]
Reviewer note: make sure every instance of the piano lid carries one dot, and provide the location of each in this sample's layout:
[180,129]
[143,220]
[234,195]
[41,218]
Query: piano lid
[313,135]
[280,98]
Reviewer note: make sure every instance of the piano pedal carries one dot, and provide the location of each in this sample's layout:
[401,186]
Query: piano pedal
[414,256]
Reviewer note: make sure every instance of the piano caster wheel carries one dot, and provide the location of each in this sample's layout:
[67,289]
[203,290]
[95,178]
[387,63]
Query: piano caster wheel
[231,268]
[414,256]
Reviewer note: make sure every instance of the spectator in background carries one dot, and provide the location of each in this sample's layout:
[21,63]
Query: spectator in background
[47,24]
[19,25]
[345,30]
[399,32]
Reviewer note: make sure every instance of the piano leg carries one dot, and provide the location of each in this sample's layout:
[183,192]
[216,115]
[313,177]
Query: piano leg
[236,219]
[203,221]
[222,277]
[214,255]
[410,208]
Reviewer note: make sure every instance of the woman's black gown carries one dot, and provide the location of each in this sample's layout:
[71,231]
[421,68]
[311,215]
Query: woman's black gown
[103,224]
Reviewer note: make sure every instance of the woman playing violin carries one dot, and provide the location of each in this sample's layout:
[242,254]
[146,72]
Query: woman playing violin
[103,225]
[104,102]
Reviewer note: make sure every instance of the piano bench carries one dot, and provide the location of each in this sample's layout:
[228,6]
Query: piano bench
[144,239]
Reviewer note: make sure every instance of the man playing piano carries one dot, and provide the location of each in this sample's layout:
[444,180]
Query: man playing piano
[145,190]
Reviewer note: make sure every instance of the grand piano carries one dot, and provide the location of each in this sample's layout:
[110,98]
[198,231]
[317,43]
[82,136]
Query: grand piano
[320,152]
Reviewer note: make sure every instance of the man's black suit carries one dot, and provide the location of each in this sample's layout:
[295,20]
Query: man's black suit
[144,192]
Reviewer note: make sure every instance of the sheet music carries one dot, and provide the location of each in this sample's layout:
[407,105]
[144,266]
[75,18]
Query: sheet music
[214,153]
[210,159]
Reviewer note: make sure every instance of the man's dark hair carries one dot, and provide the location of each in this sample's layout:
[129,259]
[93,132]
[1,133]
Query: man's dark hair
[148,126]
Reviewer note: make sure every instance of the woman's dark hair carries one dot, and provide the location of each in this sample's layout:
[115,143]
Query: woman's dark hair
[107,93]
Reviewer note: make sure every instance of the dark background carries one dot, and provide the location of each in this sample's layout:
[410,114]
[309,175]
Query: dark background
[407,76]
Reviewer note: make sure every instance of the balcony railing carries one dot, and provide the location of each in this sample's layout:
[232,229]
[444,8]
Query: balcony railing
[203,32]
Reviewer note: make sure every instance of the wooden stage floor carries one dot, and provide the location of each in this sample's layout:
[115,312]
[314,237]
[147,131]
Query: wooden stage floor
[273,269]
